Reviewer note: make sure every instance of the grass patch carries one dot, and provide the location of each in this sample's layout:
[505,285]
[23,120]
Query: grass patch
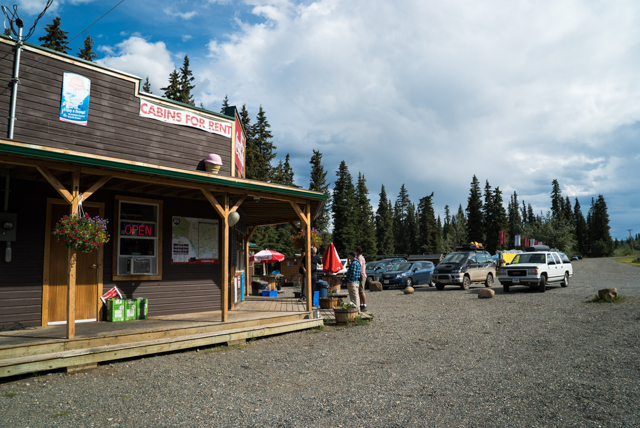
[357,322]
[607,299]
[633,261]
[10,394]
[226,348]
[55,415]
[319,329]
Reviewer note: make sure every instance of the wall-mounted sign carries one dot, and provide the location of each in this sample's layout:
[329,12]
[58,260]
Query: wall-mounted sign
[240,146]
[184,118]
[194,240]
[137,229]
[74,104]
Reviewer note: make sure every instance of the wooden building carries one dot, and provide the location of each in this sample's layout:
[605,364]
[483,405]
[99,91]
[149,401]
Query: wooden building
[84,135]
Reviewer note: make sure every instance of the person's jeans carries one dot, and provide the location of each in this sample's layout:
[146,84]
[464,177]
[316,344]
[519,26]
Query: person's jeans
[354,293]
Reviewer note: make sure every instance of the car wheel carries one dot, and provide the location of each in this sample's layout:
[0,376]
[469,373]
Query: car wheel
[565,283]
[466,281]
[505,288]
[542,287]
[489,281]
[409,282]
[439,286]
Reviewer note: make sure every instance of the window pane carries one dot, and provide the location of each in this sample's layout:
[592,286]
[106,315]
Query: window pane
[139,212]
[137,247]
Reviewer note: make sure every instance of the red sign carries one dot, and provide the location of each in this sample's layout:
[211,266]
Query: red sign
[503,237]
[134,229]
[185,118]
[240,146]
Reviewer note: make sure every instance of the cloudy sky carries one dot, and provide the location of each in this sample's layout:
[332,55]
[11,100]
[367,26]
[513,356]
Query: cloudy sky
[425,93]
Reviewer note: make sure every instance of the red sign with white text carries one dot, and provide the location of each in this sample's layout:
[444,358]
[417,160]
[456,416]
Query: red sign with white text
[240,146]
[184,118]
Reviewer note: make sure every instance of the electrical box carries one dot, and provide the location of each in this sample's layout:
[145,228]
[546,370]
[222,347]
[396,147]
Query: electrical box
[8,226]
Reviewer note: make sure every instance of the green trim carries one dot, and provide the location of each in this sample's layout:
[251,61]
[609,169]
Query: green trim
[175,174]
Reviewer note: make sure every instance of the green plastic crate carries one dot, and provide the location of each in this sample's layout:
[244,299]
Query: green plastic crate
[130,310]
[115,310]
[142,306]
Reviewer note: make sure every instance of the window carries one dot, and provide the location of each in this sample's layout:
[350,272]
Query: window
[138,239]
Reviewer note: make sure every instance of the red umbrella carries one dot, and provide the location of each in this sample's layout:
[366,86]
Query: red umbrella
[266,256]
[331,261]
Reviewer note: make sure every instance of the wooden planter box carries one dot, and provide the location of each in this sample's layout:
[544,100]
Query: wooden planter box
[344,316]
[328,302]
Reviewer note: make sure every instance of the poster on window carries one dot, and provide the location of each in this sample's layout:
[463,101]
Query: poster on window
[74,104]
[194,240]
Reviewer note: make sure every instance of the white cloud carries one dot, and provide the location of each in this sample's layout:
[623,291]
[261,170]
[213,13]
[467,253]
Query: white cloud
[430,93]
[183,15]
[137,56]
[186,37]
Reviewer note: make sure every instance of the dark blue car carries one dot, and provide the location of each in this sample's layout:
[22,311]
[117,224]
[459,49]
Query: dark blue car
[408,274]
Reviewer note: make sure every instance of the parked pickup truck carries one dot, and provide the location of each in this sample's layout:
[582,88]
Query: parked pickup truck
[536,268]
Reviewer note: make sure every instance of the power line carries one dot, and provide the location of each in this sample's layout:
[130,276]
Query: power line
[95,21]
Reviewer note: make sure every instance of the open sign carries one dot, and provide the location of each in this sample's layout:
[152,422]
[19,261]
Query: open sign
[137,229]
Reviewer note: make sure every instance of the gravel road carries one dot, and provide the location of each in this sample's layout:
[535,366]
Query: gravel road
[434,359]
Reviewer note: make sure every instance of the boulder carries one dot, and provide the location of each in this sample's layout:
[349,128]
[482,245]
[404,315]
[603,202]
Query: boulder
[375,286]
[409,290]
[608,293]
[486,293]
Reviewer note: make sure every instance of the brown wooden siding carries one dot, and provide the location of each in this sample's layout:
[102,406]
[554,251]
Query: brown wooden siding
[114,128]
[183,288]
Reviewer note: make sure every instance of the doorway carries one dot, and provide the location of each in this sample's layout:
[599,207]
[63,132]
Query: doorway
[56,271]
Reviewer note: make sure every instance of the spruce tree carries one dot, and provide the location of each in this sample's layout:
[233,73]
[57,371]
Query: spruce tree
[55,39]
[225,104]
[186,86]
[401,229]
[146,87]
[264,148]
[600,242]
[318,183]
[344,213]
[514,220]
[365,224]
[251,150]
[474,213]
[498,222]
[487,213]
[411,227]
[87,52]
[567,210]
[582,232]
[427,226]
[384,224]
[556,199]
[172,91]
[283,173]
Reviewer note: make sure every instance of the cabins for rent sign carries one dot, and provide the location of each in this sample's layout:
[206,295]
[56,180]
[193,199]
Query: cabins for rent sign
[184,118]
[240,147]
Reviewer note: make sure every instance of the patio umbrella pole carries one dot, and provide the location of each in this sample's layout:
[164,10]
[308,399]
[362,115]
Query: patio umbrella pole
[307,214]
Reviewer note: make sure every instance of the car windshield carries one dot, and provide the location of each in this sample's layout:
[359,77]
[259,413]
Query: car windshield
[371,265]
[454,258]
[528,258]
[400,266]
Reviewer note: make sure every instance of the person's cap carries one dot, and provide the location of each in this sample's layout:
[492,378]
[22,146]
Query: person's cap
[353,253]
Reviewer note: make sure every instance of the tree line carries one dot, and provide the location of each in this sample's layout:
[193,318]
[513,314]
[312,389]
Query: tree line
[397,227]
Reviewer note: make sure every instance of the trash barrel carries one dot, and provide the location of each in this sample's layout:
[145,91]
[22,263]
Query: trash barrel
[257,287]
[322,287]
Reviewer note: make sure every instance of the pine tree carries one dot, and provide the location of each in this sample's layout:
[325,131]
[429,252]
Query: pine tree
[401,230]
[318,183]
[225,104]
[447,222]
[487,213]
[498,222]
[458,234]
[186,86]
[567,210]
[251,149]
[582,232]
[411,229]
[264,148]
[87,52]
[344,213]
[172,91]
[365,225]
[556,199]
[146,87]
[283,173]
[384,225]
[474,213]
[600,242]
[55,39]
[427,227]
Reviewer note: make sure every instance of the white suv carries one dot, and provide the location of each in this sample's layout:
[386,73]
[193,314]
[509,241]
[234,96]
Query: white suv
[536,269]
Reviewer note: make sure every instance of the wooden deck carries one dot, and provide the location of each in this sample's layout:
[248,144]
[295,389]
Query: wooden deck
[46,348]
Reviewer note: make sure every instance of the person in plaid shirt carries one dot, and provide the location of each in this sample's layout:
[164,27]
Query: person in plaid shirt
[353,279]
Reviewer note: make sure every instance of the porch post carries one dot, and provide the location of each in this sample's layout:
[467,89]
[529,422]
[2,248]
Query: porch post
[246,255]
[307,214]
[71,279]
[225,258]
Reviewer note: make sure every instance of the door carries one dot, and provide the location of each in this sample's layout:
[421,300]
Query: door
[55,295]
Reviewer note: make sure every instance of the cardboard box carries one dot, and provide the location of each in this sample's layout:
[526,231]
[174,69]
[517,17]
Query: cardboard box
[115,310]
[130,312]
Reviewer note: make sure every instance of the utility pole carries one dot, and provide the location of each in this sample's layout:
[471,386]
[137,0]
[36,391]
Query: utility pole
[631,239]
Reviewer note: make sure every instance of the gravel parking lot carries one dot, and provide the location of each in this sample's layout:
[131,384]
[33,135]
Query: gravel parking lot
[434,358]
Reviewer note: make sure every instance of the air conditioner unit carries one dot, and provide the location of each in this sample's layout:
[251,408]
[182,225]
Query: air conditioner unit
[139,266]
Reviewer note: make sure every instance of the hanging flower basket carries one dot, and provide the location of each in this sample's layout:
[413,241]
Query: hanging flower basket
[82,233]
[299,240]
